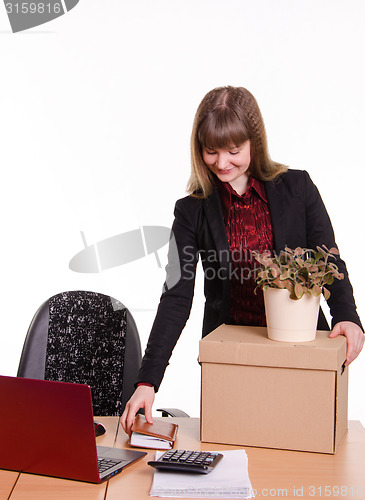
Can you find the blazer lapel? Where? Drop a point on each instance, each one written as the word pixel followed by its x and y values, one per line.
pixel 214 217
pixel 214 214
pixel 277 212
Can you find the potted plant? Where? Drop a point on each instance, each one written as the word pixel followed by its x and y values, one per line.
pixel 292 283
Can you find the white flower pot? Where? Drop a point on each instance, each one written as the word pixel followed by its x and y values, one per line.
pixel 290 320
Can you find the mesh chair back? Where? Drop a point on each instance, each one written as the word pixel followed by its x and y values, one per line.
pixel 87 339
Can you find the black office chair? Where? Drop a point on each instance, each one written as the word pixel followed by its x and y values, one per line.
pixel 87 338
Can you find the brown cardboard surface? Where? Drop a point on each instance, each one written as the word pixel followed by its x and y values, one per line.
pixel 249 345
pixel 341 417
pixel 256 392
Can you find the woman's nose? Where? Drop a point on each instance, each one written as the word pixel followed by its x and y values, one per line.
pixel 222 161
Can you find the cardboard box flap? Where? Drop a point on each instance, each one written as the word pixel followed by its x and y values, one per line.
pixel 246 345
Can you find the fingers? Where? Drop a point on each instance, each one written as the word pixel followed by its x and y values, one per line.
pixel 355 344
pixel 354 336
pixel 127 418
pixel 148 413
pixel 124 417
pixel 143 397
pixel 336 330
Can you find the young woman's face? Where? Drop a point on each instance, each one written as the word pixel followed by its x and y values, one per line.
pixel 230 165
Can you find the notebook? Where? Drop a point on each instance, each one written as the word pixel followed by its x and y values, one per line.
pixel 48 428
pixel 159 435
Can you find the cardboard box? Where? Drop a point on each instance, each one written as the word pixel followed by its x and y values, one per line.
pixel 258 392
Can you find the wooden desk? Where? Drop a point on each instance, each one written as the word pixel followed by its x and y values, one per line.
pixel 7 481
pixel 273 473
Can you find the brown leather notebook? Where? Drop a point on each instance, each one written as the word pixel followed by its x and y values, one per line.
pixel 159 435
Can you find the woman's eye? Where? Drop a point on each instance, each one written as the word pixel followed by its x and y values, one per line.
pixel 210 152
pixel 234 152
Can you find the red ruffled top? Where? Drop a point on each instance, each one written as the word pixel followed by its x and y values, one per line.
pixel 248 225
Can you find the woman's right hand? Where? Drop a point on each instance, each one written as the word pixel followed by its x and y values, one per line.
pixel 143 397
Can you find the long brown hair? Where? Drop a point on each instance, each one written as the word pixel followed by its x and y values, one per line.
pixel 226 117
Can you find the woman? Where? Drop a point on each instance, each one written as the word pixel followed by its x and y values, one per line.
pixel 239 201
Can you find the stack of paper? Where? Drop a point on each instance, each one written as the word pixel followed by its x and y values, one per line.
pixel 229 479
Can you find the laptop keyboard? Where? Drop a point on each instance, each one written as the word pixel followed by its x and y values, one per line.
pixel 107 463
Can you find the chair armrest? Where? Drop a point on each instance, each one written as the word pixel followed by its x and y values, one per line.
pixel 172 412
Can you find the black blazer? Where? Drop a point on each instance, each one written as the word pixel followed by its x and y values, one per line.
pixel 298 217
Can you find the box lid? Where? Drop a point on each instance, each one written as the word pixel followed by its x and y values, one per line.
pixel 249 345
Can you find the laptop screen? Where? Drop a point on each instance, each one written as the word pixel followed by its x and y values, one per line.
pixel 48 428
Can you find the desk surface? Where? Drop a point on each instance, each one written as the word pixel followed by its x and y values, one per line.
pixel 273 473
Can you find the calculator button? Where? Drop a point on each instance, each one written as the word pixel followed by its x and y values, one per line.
pixel 187 461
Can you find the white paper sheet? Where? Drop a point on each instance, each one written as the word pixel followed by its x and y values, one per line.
pixel 229 479
pixel 142 440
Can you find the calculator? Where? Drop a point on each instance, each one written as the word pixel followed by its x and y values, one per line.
pixel 187 461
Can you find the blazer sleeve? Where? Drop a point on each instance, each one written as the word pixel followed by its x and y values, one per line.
pixel 176 300
pixel 319 231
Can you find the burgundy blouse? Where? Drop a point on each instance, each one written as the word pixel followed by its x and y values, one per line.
pixel 248 226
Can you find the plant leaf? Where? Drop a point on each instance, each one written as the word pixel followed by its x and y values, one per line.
pixel 279 283
pixel 316 291
pixel 298 290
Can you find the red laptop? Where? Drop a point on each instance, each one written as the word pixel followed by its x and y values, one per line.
pixel 48 428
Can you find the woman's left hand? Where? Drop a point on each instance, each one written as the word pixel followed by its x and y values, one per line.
pixel 355 338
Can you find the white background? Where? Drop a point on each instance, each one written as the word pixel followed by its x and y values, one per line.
pixel 95 120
